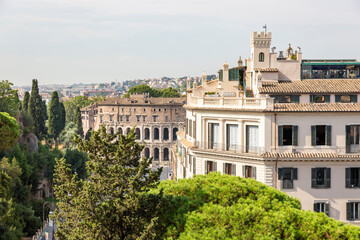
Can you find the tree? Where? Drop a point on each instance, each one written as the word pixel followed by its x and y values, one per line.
pixel 36 110
pixel 78 101
pixel 78 122
pixel 66 137
pixel 170 93
pixel 140 89
pixel 44 108
pixel 77 161
pixel 112 203
pixel 55 121
pixel 9 131
pixel 62 115
pixel 9 100
pixel 26 101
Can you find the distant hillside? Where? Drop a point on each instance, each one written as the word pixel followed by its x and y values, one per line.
pixel 225 207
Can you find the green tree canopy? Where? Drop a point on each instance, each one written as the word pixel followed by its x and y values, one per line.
pixel 36 110
pixel 112 203
pixel 62 115
pixel 9 100
pixel 153 92
pixel 26 101
pixel 78 101
pixel 9 131
pixel 78 122
pixel 55 121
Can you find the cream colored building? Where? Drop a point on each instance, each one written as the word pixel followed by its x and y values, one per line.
pixel 156 121
pixel 265 121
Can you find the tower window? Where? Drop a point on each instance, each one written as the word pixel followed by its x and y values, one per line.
pixel 261 57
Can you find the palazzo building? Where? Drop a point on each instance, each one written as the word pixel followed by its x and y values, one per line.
pixel 290 123
pixel 156 121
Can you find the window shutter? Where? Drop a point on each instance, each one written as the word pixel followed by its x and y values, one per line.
pixel 233 168
pixel 295 135
pixel 348 177
pixel 337 98
pixel 254 172
pixel 316 207
pixel 347 131
pixel 215 166
pixel 243 171
pixel 313 178
pixel 280 174
pixel 348 211
pixel 294 98
pixel 313 135
pixel 353 98
pixel 294 174
pixel 327 98
pixel 328 178
pixel 194 129
pixel 224 167
pixel 311 98
pixel 276 99
pixel 206 167
pixel 328 135
pixel 280 135
pixel 210 133
pixel 327 209
pixel 186 126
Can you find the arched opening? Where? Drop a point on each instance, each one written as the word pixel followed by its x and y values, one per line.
pixel 120 130
pixel 166 154
pixel 166 134
pixel 137 132
pixel 147 134
pixel 147 153
pixel 156 134
pixel 111 130
pixel 261 57
pixel 156 154
pixel 127 131
pixel 174 133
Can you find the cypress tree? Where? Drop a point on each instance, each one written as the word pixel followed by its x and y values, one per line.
pixel 54 124
pixel 36 110
pixel 78 121
pixel 46 117
pixel 26 101
pixel 62 116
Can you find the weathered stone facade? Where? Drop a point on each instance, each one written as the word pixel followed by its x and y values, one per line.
pixel 156 121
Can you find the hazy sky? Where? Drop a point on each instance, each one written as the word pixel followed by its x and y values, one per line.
pixel 91 41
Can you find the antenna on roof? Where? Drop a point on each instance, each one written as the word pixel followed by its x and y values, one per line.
pixel 265 28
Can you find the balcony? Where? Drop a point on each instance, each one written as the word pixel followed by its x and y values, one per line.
pixel 215 101
pixel 228 148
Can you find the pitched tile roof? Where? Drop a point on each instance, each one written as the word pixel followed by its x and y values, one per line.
pixel 142 101
pixel 317 107
pixel 266 69
pixel 310 155
pixel 313 86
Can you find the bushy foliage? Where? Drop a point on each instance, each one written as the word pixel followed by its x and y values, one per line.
pixel 9 100
pixel 78 101
pixel 66 137
pixel 153 92
pixel 9 131
pixel 225 207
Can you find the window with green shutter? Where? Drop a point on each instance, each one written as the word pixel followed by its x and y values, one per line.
pixel 319 98
pixel 346 98
pixel 288 135
pixel 321 177
pixel 321 135
pixel 322 206
pixel 287 175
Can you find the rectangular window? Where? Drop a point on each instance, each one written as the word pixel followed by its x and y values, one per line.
pixel 352 138
pixel 138 118
pixel 190 128
pixel 213 135
pixel 154 118
pixel 321 135
pixel 321 177
pixel 319 98
pixel 286 98
pixel 144 118
pixel 194 165
pixel 210 166
pixel 232 135
pixel 346 98
pixel 352 177
pixel 127 118
pixel 249 171
pixel 166 118
pixel 101 118
pixel 121 118
pixel 111 118
pixel 322 206
pixel 353 211
pixel 287 175
pixel 288 135
pixel 252 139
pixel 229 169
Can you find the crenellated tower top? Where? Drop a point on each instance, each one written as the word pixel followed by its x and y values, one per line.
pixel 261 39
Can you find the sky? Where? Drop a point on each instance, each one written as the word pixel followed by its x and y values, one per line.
pixel 93 41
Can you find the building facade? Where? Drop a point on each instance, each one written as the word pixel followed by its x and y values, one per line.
pixel 156 121
pixel 263 120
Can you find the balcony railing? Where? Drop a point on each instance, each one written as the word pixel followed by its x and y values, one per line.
pixel 231 102
pixel 232 148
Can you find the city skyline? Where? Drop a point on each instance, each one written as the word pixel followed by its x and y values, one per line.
pixel 67 42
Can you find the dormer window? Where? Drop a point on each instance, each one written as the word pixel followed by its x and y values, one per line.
pixel 261 57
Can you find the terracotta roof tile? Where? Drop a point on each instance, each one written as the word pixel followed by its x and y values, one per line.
pixel 313 86
pixel 310 155
pixel 266 69
pixel 317 107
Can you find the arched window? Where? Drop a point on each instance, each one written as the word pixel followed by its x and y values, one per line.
pixel 261 57
pixel 147 134
pixel 156 134
pixel 174 133
pixel 156 154
pixel 166 154
pixel 127 131
pixel 166 134
pixel 137 132
pixel 112 131
pixel 120 130
pixel 147 153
